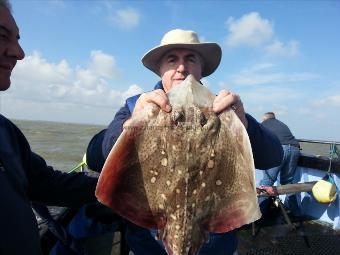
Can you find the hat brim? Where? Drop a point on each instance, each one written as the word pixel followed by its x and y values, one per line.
pixel 210 52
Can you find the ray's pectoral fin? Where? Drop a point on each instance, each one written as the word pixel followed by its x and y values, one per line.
pixel 120 185
pixel 226 220
pixel 235 200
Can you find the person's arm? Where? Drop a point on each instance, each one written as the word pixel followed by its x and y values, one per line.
pixel 52 187
pixel 266 147
pixel 100 145
pixel 94 155
pixel 115 129
pixel 33 179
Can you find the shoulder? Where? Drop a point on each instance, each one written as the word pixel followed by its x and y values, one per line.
pixel 131 102
pixel 4 121
pixel 270 122
pixel 12 139
pixel 252 122
pixel 8 126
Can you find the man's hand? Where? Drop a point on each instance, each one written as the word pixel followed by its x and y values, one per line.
pixel 156 97
pixel 227 99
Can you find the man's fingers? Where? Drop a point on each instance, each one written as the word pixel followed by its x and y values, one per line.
pixel 157 97
pixel 162 100
pixel 224 100
pixel 227 99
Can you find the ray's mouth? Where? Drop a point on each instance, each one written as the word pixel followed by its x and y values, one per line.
pixel 179 116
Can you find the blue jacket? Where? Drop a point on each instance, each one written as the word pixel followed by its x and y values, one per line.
pixel 267 152
pixel 25 177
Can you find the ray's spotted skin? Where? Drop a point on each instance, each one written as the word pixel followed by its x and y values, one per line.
pixel 187 173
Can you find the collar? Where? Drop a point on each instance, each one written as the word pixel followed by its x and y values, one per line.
pixel 159 85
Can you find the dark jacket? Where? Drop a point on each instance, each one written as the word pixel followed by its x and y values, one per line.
pixel 282 131
pixel 25 177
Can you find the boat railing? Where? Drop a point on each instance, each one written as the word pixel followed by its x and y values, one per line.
pixel 80 167
pixel 318 141
pixel 320 154
pixel 333 146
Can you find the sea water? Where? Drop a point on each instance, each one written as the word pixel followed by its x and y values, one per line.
pixel 62 145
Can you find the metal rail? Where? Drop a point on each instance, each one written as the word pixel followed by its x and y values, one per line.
pixel 334 151
pixel 318 141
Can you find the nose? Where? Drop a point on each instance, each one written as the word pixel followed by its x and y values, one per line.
pixel 15 51
pixel 182 68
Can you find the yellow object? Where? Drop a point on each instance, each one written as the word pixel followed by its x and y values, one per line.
pixel 324 191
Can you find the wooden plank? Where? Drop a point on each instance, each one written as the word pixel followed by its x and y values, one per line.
pixel 285 189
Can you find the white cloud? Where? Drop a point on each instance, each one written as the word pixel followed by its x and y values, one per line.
pixel 289 49
pixel 304 115
pixel 125 18
pixel 57 87
pixel 270 78
pixel 254 31
pixel 37 69
pixel 264 73
pixel 250 30
pixel 329 101
pixel 273 95
pixel 262 66
pixel 103 64
pixel 132 90
pixel 334 100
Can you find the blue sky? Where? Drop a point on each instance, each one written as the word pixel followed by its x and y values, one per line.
pixel 83 57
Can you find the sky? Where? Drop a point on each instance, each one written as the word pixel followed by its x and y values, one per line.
pixel 83 58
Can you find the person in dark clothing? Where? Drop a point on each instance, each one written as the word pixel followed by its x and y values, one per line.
pixel 291 153
pixel 24 175
pixel 180 54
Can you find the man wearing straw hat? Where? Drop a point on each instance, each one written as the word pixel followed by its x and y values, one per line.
pixel 24 175
pixel 179 54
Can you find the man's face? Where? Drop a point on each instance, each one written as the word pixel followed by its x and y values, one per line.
pixel 10 50
pixel 177 64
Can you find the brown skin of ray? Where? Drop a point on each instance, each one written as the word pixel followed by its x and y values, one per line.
pixel 114 189
pixel 200 141
pixel 189 233
pixel 168 171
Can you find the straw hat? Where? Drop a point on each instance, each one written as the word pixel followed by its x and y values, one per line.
pixel 211 53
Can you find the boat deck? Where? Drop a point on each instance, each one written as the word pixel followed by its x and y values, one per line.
pixel 273 236
pixel 270 236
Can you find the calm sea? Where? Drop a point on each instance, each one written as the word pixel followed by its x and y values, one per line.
pixel 63 144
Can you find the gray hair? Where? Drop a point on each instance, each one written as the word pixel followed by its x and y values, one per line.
pixel 268 115
pixel 6 4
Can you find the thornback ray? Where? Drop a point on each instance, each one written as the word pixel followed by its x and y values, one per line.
pixel 185 173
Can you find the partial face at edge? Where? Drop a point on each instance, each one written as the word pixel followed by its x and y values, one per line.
pixel 177 64
pixel 10 49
